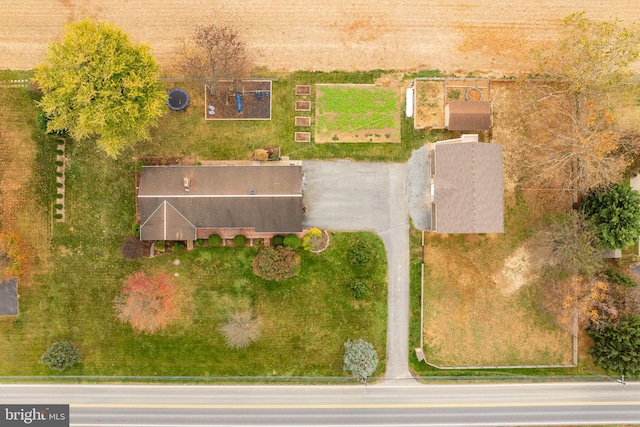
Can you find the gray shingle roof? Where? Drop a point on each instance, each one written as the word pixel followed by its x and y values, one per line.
pixel 9 297
pixel 267 198
pixel 468 188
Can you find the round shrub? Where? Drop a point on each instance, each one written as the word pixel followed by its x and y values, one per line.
pixel 59 163
pixel 277 240
pixel 140 164
pixel 59 152
pixel 59 185
pixel 199 243
pixel 160 246
pixel 57 216
pixel 135 230
pixel 59 174
pixel 61 355
pixel 59 196
pixel 360 288
pixel 276 263
pixel 214 240
pixel 313 240
pixel 58 206
pixel 239 240
pixel 360 253
pixel 292 241
pixel 177 247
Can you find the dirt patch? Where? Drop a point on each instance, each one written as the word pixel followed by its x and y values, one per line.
pixel 329 35
pixel 238 100
pixel 430 101
pixel 433 95
pixel 516 272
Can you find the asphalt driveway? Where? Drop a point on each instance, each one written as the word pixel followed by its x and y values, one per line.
pixel 355 196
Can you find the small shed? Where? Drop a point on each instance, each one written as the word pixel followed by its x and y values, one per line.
pixel 467 115
pixel 9 297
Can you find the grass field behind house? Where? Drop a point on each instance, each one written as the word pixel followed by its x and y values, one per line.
pixel 357 113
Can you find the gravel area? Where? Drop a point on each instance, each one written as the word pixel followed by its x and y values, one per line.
pixel 419 172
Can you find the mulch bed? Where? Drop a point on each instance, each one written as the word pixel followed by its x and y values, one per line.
pixel 303 90
pixel 303 121
pixel 255 98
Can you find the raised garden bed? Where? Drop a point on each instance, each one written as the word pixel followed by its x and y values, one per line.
pixel 303 121
pixel 303 105
pixel 303 90
pixel 303 136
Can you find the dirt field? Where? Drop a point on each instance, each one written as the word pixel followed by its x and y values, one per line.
pixel 331 34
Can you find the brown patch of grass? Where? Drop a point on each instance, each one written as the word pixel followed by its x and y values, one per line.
pixel 479 303
pixel 19 211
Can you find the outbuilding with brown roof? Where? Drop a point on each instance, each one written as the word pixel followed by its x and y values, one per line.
pixel 467 115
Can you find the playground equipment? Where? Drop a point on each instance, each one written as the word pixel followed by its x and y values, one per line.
pixel 239 101
pixel 178 99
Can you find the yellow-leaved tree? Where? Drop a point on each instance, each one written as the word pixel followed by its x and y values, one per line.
pixel 97 84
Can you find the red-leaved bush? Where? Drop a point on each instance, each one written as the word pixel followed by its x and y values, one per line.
pixel 148 303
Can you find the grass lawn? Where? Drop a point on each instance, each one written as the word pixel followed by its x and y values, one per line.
pixel 186 133
pixel 77 269
pixel 357 113
pixel 480 302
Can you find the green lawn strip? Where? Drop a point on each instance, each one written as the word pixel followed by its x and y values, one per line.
pixel 186 133
pixel 307 318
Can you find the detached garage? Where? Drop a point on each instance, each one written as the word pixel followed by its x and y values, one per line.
pixel 467 115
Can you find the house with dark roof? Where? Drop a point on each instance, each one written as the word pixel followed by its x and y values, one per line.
pixel 191 202
pixel 466 186
pixel 9 297
pixel 467 115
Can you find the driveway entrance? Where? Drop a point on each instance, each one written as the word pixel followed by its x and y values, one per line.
pixel 356 196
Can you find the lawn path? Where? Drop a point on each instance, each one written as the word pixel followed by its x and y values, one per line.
pixel 350 196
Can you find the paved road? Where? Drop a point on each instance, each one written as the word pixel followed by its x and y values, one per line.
pixel 432 405
pixel 350 196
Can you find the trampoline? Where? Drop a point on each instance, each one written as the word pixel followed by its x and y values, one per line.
pixel 178 99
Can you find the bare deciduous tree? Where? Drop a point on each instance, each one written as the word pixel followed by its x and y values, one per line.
pixel 571 243
pixel 564 119
pixel 215 52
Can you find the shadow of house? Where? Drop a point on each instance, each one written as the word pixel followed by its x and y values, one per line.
pixel 466 186
pixel 9 297
pixel 185 203
pixel 467 115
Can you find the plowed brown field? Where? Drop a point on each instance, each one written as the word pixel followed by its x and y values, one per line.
pixel 470 35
